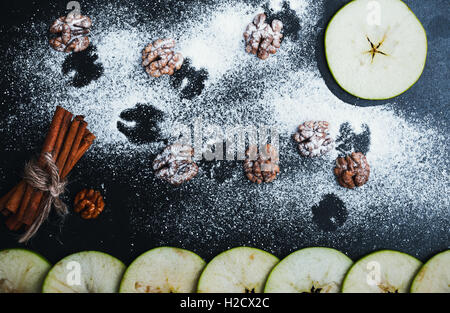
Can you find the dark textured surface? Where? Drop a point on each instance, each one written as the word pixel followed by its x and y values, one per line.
pixel 429 98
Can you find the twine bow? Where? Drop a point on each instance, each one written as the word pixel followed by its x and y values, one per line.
pixel 47 180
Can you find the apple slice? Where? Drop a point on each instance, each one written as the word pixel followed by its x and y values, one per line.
pixel 310 270
pixel 85 272
pixel 238 270
pixel 163 270
pixel 375 49
pixel 22 271
pixel 434 276
pixel 384 271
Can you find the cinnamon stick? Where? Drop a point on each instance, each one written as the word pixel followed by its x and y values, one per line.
pixel 62 158
pixel 62 134
pixel 87 141
pixel 75 147
pixel 73 139
pixel 33 207
pixel 16 218
pixel 4 200
pixel 67 140
pixel 66 121
pixel 53 135
pixel 14 222
pixel 16 197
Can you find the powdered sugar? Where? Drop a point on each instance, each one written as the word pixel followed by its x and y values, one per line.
pixel 285 90
pixel 299 6
pixel 216 42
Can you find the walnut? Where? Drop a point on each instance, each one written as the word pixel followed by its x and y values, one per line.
pixel 314 138
pixel 89 203
pixel 352 170
pixel 263 166
pixel 175 165
pixel 72 30
pixel 159 58
pixel 261 38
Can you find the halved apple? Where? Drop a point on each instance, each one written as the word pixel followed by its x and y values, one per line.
pixel 22 271
pixel 238 270
pixel 375 49
pixel 434 276
pixel 163 270
pixel 384 271
pixel 310 270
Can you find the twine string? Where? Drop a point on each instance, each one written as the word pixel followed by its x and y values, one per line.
pixel 47 180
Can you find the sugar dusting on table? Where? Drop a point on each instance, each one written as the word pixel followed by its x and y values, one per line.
pixel 284 90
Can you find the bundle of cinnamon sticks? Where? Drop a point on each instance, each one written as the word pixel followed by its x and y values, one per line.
pixel 67 140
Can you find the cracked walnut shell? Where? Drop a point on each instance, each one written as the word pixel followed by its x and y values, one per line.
pixel 353 170
pixel 175 165
pixel 72 30
pixel 89 203
pixel 261 167
pixel 159 58
pixel 314 138
pixel 261 38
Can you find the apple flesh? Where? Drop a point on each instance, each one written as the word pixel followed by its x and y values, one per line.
pixel 434 276
pixel 310 270
pixel 85 272
pixel 163 270
pixel 384 271
pixel 22 271
pixel 375 49
pixel 238 270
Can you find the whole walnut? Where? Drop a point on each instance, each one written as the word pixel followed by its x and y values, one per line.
pixel 261 38
pixel 175 165
pixel 89 203
pixel 263 166
pixel 353 170
pixel 72 30
pixel 159 58
pixel 314 138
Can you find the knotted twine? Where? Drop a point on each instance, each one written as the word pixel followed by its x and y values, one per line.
pixel 46 179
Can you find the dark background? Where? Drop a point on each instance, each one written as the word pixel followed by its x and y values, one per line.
pixel 429 98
